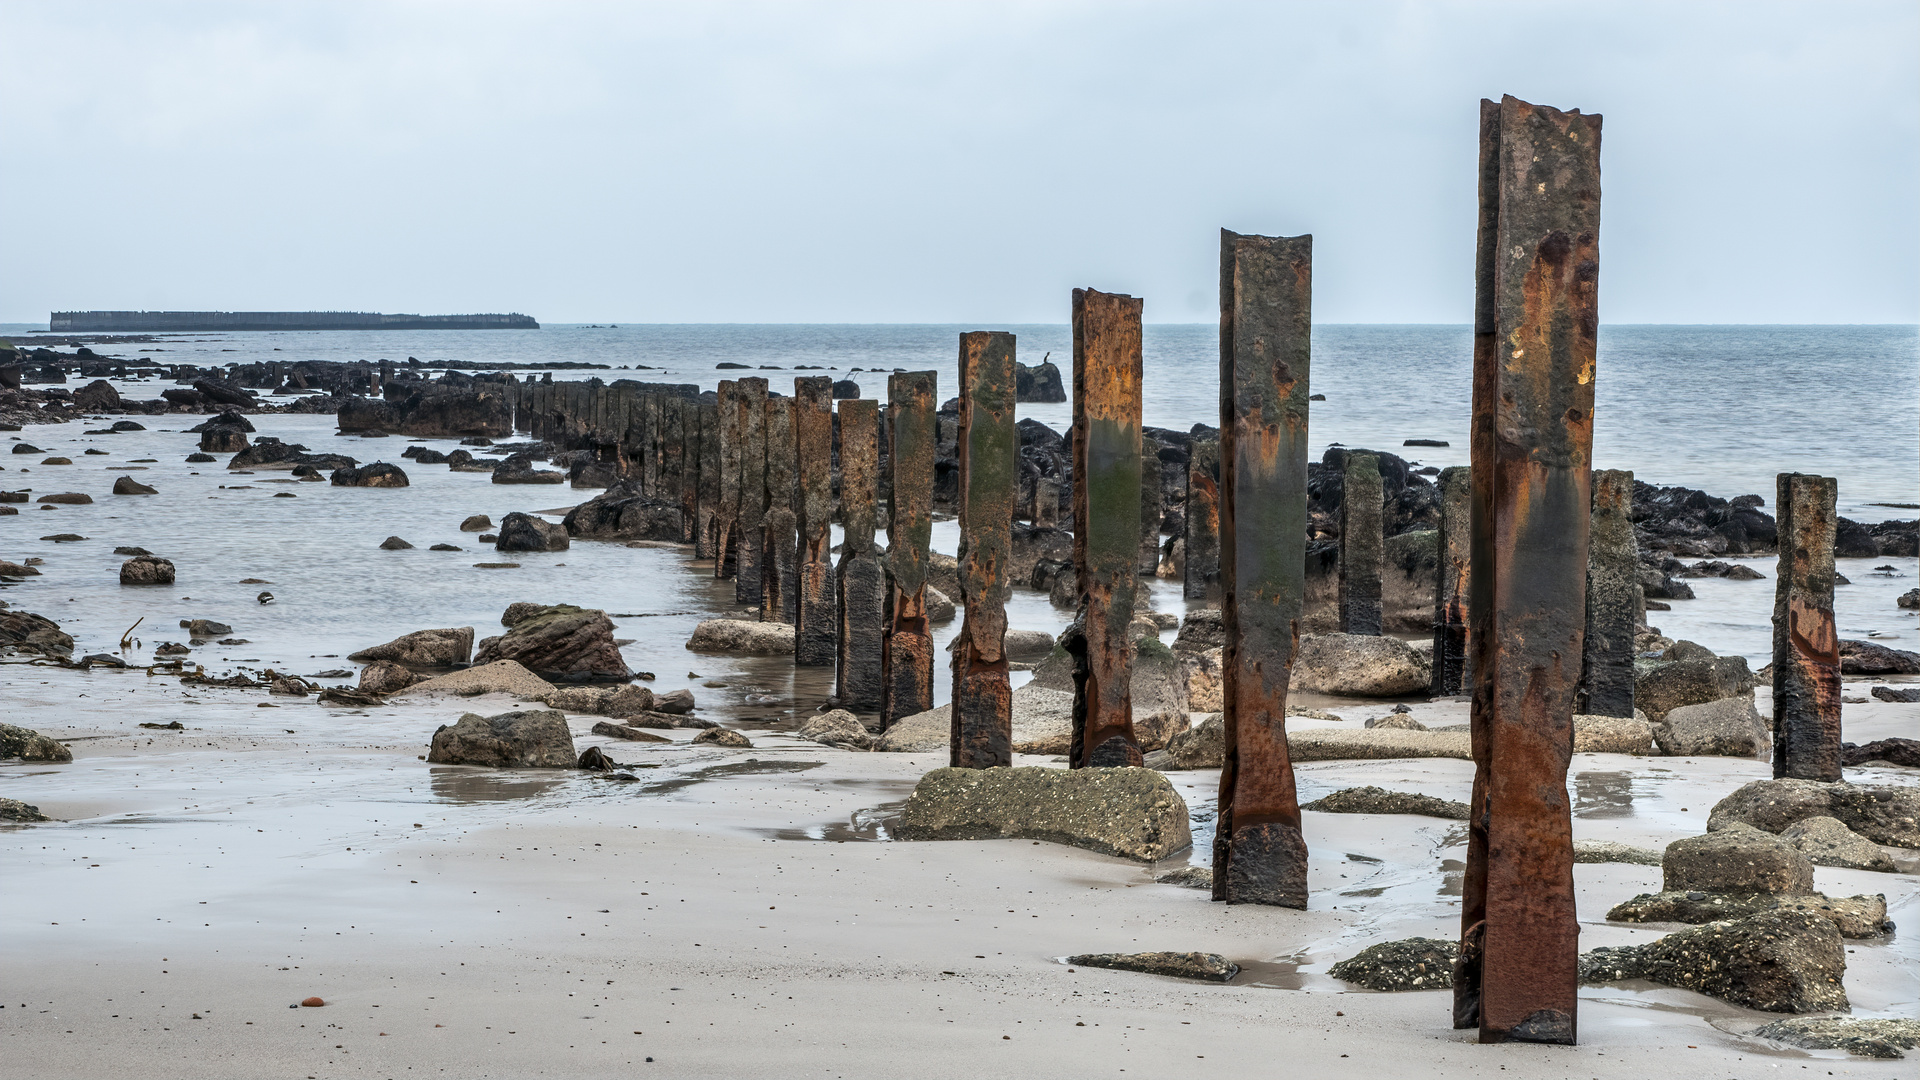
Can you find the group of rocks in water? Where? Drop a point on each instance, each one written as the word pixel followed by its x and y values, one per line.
pixel 1768 941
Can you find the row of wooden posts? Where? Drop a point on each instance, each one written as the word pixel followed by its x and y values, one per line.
pixel 1536 605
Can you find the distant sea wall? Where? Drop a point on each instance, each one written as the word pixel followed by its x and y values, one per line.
pixel 126 321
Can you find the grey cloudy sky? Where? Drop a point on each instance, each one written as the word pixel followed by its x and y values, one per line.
pixel 899 162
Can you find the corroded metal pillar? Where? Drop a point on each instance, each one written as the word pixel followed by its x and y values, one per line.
pixel 912 431
pixel 726 517
pixel 1152 508
pixel 1106 525
pixel 815 626
pixel 780 555
pixel 1202 580
pixel 751 547
pixel 1613 584
pixel 1361 544
pixel 1450 586
pixel 989 454
pixel 860 579
pixel 1806 647
pixel 1266 319
pixel 708 504
pixel 1536 315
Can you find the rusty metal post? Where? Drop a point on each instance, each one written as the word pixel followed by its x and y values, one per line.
pixel 726 516
pixel 860 579
pixel 708 492
pixel 648 407
pixel 912 431
pixel 689 458
pixel 1361 541
pixel 1202 579
pixel 1266 321
pixel 1152 509
pixel 780 568
pixel 989 449
pixel 1450 586
pixel 1536 316
pixel 1613 592
pixel 1106 525
pixel 815 626
pixel 748 586
pixel 1806 647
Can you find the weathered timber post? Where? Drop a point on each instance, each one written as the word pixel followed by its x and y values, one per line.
pixel 989 456
pixel 1806 647
pixel 726 523
pixel 815 627
pixel 1361 541
pixel 1450 586
pixel 1106 525
pixel 1202 579
pixel 912 432
pixel 780 566
pixel 673 451
pixel 1613 584
pixel 1536 315
pixel 748 585
pixel 688 458
pixel 1152 509
pixel 1266 321
pixel 647 408
pixel 860 579
pixel 708 493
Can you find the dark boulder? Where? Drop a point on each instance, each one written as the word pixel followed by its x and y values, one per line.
pixel 378 474
pixel 23 631
pixel 97 396
pixel 524 532
pixel 531 739
pixel 1777 961
pixel 560 641
pixel 1039 384
pixel 622 513
pixel 146 570
pixel 268 452
pixel 1868 658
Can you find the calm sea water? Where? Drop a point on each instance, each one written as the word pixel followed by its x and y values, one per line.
pixel 1722 408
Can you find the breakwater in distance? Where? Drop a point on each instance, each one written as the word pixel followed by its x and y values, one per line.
pixel 126 321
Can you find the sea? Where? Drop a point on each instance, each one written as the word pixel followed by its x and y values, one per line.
pixel 1720 408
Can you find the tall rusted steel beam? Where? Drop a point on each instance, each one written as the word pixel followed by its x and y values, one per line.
pixel 1106 525
pixel 989 448
pixel 1450 585
pixel 1361 544
pixel 860 579
pixel 1536 316
pixel 1613 588
pixel 1806 647
pixel 751 549
pixel 726 522
pixel 1202 542
pixel 1266 321
pixel 815 625
pixel 708 505
pixel 780 573
pixel 1152 509
pixel 912 433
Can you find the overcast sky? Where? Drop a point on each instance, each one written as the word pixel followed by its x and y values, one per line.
pixel 913 162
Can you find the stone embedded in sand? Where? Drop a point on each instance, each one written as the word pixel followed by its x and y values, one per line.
pixel 1611 735
pixel 385 677
pixel 1694 681
pixel 727 737
pixel 146 570
pixel 1884 815
pixel 1862 916
pixel 29 745
pixel 1375 800
pixel 1158 682
pixel 1340 744
pixel 1202 630
pixel 677 703
pixel 1211 967
pixel 127 485
pixel 579 699
pixel 628 702
pixel 743 636
pixel 1397 722
pixel 1737 859
pixel 1828 842
pixel 533 739
pixel 1777 961
pixel 560 640
pixel 1728 727
pixel 1201 746
pixel 1359 665
pixel 313 1003
pixel 1870 1038
pixel 1894 751
pixel 1128 812
pixel 499 677
pixel 837 727
pixel 1206 681
pixel 1412 964
pixel 621 731
pixel 15 810
pixel 449 647
pixel 1188 877
pixel 1606 851
pixel 1028 645
pixel 663 720
pixel 1042 724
